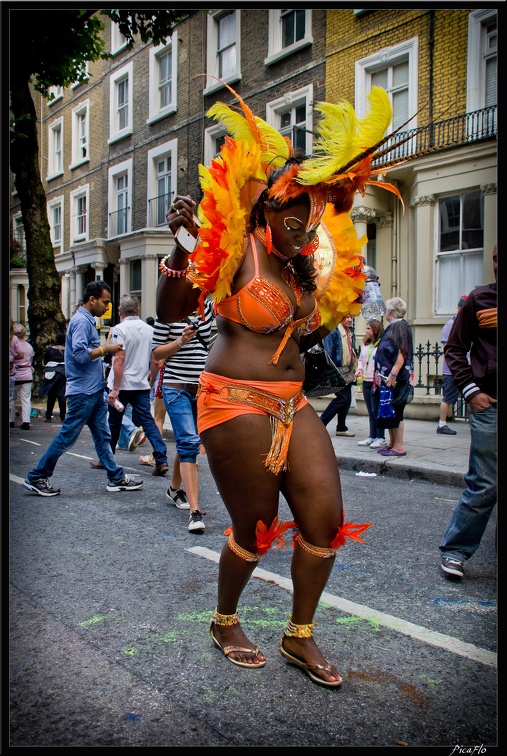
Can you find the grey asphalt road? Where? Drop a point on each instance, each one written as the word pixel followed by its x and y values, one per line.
pixel 111 599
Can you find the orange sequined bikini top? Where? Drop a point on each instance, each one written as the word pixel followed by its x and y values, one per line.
pixel 264 307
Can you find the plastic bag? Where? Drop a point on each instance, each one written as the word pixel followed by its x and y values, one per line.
pixel 385 407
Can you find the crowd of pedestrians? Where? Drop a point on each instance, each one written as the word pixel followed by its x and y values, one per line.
pixel 153 369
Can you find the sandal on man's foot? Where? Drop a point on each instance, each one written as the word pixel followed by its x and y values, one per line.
pixel 226 650
pixel 148 459
pixel 309 669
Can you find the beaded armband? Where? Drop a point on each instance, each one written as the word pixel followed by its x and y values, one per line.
pixel 170 271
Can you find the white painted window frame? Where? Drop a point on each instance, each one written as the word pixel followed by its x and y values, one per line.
pixel 155 112
pixel 126 167
pixel 275 50
pixel 57 90
pixel 52 205
pixel 125 72
pixel 53 128
pixel 161 151
pixel 212 47
pixel 388 56
pixel 118 41
pixel 210 135
pixel 18 229
pixel 86 67
pixel 276 108
pixel 475 58
pixel 77 112
pixel 81 191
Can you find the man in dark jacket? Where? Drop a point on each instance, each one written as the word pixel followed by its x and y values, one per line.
pixel 474 332
pixel 339 345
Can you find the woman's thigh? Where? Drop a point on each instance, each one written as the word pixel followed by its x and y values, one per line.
pixel 236 451
pixel 312 484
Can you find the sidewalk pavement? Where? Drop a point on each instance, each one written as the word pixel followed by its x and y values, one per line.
pixel 430 456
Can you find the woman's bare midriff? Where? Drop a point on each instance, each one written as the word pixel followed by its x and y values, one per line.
pixel 245 355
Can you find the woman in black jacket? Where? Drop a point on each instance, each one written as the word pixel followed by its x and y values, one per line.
pixel 54 382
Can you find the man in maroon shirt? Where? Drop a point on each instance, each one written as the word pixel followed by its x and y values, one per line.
pixel 474 332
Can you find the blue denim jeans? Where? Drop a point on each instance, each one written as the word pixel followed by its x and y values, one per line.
pixel 372 414
pixel 127 428
pixel 82 409
pixel 182 410
pixel 140 401
pixel 471 515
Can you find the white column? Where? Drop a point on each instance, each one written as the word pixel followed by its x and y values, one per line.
pixel 14 301
pixel 79 271
pixel 420 299
pixel 148 285
pixel 124 271
pixel 490 229
pixel 360 217
pixel 72 291
pixel 99 268
pixel 383 259
pixel 65 295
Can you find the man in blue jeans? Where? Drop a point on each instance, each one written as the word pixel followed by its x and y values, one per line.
pixel 85 397
pixel 128 380
pixel 474 331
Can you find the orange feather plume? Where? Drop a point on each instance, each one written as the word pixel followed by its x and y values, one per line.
pixel 266 536
pixel 350 530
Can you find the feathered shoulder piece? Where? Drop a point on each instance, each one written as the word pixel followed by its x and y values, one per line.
pixel 338 261
pixel 223 213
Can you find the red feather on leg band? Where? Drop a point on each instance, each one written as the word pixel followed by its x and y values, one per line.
pixel 348 530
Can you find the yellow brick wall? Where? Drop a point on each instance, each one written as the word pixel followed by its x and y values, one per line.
pixel 350 38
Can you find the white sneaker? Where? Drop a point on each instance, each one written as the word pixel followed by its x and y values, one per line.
pixel 378 443
pixel 366 442
pixel 178 497
pixel 195 523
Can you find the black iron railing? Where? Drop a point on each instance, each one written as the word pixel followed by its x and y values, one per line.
pixel 157 209
pixel 427 374
pixel 441 135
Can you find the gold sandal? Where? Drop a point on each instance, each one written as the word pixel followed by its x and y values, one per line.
pixel 305 631
pixel 228 620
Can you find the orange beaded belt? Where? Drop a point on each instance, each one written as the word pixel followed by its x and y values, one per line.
pixel 281 410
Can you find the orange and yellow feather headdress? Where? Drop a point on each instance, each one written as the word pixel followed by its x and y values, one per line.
pixel 340 167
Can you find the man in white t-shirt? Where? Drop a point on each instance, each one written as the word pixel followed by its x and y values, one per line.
pixel 128 380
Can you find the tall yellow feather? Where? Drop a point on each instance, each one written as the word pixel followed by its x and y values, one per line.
pixel 341 136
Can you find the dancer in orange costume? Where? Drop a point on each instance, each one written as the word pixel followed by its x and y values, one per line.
pixel 278 253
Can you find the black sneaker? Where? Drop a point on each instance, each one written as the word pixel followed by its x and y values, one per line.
pixel 129 483
pixel 195 523
pixel 178 497
pixel 444 430
pixel 42 487
pixel 452 567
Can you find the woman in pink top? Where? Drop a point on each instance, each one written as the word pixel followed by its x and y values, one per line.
pixel 365 370
pixel 23 378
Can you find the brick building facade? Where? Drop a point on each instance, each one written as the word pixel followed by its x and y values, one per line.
pixel 144 131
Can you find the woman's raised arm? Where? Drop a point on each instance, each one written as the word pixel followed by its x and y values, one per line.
pixel 177 297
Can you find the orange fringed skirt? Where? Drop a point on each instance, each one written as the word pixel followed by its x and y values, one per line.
pixel 220 399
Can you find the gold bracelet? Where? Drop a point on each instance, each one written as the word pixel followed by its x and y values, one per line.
pixel 102 351
pixel 170 271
